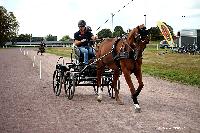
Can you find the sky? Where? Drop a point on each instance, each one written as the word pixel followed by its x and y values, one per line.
pixel 60 17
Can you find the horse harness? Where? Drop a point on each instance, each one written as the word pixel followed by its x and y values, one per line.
pixel 124 52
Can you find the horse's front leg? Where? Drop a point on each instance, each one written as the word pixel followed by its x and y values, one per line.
pixel 138 75
pixel 127 75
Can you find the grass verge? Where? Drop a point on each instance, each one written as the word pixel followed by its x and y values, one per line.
pixel 183 68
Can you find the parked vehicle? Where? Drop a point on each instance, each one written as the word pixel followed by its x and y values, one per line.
pixel 164 44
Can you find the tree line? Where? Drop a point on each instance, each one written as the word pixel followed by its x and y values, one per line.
pixel 30 38
pixel 8 26
pixel 9 31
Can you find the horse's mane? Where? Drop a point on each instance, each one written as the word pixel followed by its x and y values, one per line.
pixel 131 36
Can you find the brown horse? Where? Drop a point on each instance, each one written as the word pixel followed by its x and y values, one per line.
pixel 124 54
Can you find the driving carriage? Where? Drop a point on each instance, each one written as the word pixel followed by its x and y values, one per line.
pixel 75 73
pixel 113 57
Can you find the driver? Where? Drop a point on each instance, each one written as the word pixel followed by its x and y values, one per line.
pixel 82 39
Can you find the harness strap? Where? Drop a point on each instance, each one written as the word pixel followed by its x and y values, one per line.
pixel 123 54
pixel 115 56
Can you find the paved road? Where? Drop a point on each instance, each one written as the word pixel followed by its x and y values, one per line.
pixel 27 104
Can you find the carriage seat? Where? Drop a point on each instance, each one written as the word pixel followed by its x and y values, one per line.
pixel 79 55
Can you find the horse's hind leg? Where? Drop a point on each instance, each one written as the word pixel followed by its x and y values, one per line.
pixel 99 90
pixel 114 85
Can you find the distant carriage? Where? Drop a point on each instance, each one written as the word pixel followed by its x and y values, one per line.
pixel 41 48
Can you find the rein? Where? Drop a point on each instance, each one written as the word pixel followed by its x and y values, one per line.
pixel 113 50
pixel 98 59
pixel 121 55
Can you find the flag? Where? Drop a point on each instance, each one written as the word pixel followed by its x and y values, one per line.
pixel 166 33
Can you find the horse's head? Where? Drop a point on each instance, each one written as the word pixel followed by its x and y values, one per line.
pixel 143 35
pixel 139 37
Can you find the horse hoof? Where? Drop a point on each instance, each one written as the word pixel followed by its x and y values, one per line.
pixel 99 98
pixel 137 108
pixel 120 102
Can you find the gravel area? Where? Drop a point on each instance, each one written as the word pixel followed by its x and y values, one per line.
pixel 28 104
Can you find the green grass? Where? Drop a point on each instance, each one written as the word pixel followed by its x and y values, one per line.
pixel 65 52
pixel 182 68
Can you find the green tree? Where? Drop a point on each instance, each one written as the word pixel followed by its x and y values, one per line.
pixel 51 38
pixel 8 26
pixel 65 38
pixel 23 38
pixel 118 31
pixel 104 33
pixel 155 34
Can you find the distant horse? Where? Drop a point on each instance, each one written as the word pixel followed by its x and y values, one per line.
pixel 41 48
pixel 123 54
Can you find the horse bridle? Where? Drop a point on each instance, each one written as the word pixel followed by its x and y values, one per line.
pixel 143 33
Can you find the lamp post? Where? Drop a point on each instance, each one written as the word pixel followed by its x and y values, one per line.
pixel 179 40
pixel 145 20
pixel 112 21
pixel 183 21
pixel 30 38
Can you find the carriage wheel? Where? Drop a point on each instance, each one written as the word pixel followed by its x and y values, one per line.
pixel 69 85
pixel 57 82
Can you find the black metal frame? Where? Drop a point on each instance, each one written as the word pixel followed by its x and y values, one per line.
pixel 75 73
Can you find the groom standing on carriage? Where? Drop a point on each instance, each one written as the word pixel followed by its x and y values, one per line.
pixel 82 39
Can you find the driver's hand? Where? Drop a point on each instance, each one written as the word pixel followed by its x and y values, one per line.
pixel 83 40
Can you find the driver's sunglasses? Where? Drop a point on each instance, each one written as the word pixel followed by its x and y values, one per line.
pixel 81 26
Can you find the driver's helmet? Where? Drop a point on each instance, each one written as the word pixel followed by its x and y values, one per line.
pixel 81 23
